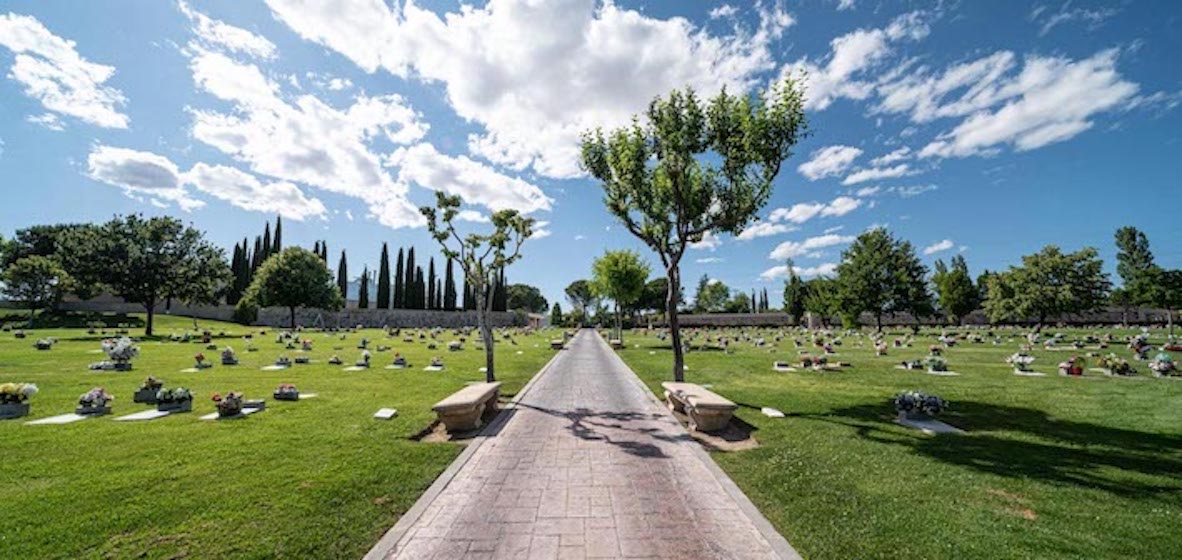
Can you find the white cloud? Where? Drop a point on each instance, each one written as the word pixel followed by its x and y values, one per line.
pixel 52 72
pixel 876 173
pixel 218 34
pixel 850 56
pixel 829 161
pixel 764 229
pixel 938 247
pixel 473 181
pixel 833 229
pixel 709 260
pixel 841 206
pixel 140 173
pixel 799 213
pixel 802 212
pixel 472 216
pixel 867 191
pixel 723 11
pixel 781 271
pixel 47 120
pixel 843 5
pixel 892 157
pixel 913 190
pixel 245 191
pixel 709 242
pixel 1052 99
pixel 587 64
pixel 1091 17
pixel 541 230
pixel 793 249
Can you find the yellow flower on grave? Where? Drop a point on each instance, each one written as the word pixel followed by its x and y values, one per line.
pixel 8 389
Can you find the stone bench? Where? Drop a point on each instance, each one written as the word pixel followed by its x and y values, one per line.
pixel 465 409
pixel 707 411
pixel 557 344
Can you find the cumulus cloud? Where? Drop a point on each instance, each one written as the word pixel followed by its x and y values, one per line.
pixel 841 206
pixel 764 229
pixel 140 173
pixel 850 56
pixel 802 212
pixel 587 64
pixel 475 182
pixel 709 242
pixel 472 216
pixel 876 173
pixel 52 72
pixel 829 161
pixel 793 249
pixel 216 33
pixel 938 246
pixel 892 157
pixel 541 230
pixel 912 190
pixel 246 191
pixel 781 271
pixel 1092 18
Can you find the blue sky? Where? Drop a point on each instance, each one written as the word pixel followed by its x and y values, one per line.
pixel 988 128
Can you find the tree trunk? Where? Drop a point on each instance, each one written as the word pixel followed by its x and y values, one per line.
pixel 151 306
pixel 1170 321
pixel 482 310
pixel 878 321
pixel 674 328
pixel 291 311
pixel 619 325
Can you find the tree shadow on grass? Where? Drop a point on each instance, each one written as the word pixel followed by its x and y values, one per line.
pixel 1025 443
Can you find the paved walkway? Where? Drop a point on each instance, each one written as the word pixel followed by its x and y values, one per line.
pixel 588 466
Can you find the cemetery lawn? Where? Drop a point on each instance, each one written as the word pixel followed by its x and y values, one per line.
pixel 318 478
pixel 1051 467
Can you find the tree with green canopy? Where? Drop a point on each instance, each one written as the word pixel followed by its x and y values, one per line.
pixel 879 274
pixel 145 261
pixel 655 291
pixel 712 295
pixel 556 315
pixel 794 294
pixel 343 276
pixel 955 290
pixel 526 297
pixel 36 281
pixel 449 288
pixel 363 289
pixel 581 296
pixel 293 278
pixel 399 280
pixel 619 276
pixel 481 257
pixel 694 168
pixel 1049 283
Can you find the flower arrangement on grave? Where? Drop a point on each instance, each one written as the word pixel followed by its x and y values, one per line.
pixel 229 358
pixel 228 405
pixel 935 363
pixel 306 345
pixel 14 399
pixel 286 392
pixel 283 361
pixel 94 401
pixel 828 348
pixel 934 350
pixel 1021 361
pixel 363 344
pixel 880 348
pixel 147 391
pixel 400 360
pixel 303 360
pixel 20 333
pixel 914 404
pixel 1163 364
pixel 335 360
pixel 206 337
pixel 120 350
pixel 44 343
pixel 177 399
pixel 455 346
pixel 364 361
pixel 1172 347
pixel 199 358
pixel 1114 364
pixel 437 362
pixel 1074 366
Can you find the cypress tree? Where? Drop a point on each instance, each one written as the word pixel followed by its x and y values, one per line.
pixel 243 277
pixel 363 294
pixel 399 288
pixel 316 248
pixel 449 289
pixel 419 285
pixel 266 243
pixel 438 303
pixel 343 277
pixel 235 265
pixel 256 257
pixel 384 279
pixel 431 293
pixel 277 244
pixel 408 299
pixel 467 296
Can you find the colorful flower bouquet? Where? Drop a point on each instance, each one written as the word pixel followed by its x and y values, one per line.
pixel 813 361
pixel 306 345
pixel 1115 365
pixel 94 401
pixel 228 405
pixel 1163 365
pixel 120 352
pixel 287 392
pixel 1074 366
pixel 400 361
pixel 147 391
pixel 14 399
pixel 229 358
pixel 178 399
pixel 201 363
pixel 1021 361
pixel 916 405
pixel 880 348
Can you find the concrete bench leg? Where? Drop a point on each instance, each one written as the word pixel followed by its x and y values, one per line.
pixel 463 420
pixel 709 420
pixel 673 403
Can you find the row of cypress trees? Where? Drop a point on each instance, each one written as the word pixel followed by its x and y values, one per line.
pixel 410 288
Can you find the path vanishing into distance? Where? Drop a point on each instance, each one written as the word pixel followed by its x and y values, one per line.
pixel 586 465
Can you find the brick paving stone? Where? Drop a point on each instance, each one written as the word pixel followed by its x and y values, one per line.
pixel 587 467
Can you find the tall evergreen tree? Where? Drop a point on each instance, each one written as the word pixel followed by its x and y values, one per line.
pixel 468 305
pixel 408 299
pixel 363 293
pixel 266 242
pixel 794 295
pixel 343 277
pixel 384 279
pixel 431 294
pixel 257 256
pixel 419 286
pixel 277 243
pixel 399 288
pixel 449 289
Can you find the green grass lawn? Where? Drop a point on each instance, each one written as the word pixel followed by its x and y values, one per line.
pixel 313 479
pixel 1051 467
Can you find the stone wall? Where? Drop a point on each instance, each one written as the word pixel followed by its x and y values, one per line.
pixel 1142 316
